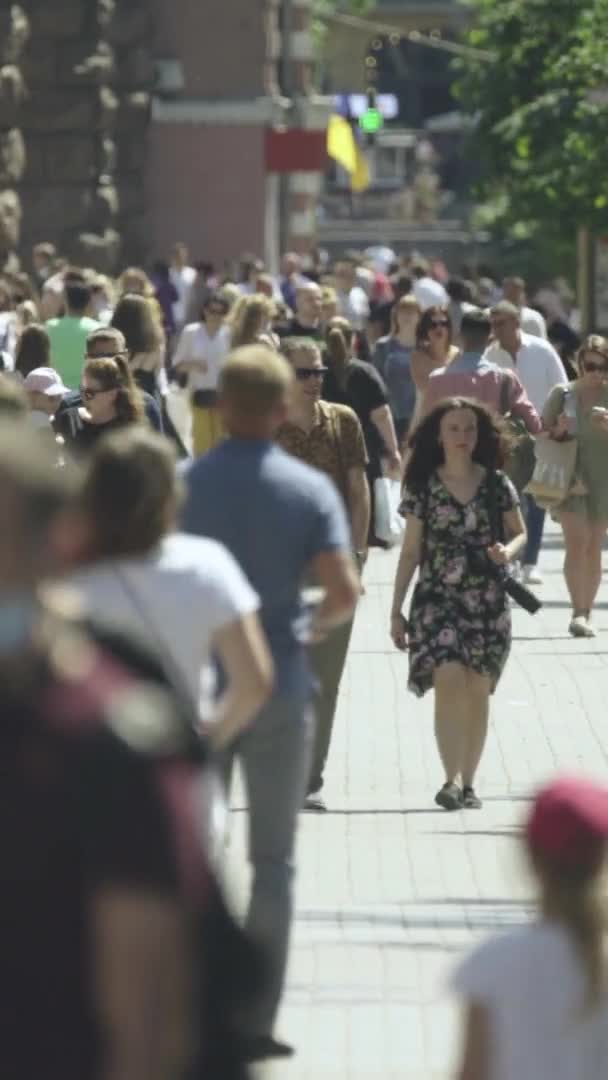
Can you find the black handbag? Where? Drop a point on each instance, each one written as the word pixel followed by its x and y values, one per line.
pixel 518 592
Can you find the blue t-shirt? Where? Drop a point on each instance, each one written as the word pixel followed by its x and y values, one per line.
pixel 393 361
pixel 275 515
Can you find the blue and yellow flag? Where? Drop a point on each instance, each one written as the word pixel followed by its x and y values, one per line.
pixel 343 148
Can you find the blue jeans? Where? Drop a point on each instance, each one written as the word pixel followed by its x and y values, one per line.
pixel 535 523
pixel 274 754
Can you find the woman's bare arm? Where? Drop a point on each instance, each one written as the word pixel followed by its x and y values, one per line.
pixel 476 1050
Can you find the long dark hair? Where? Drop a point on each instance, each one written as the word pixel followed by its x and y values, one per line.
pixel 424 325
pixel 339 338
pixel 427 453
pixel 130 490
pixel 33 350
pixel 134 317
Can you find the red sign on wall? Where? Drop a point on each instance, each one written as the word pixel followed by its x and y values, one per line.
pixel 293 150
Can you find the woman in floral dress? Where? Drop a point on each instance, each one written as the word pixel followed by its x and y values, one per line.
pixel 459 629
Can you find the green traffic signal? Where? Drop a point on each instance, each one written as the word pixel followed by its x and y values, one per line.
pixel 371 121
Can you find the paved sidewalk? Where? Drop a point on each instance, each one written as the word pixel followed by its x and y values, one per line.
pixel 391 890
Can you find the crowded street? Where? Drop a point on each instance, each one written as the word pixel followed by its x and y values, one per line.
pixel 303 535
pixel 390 893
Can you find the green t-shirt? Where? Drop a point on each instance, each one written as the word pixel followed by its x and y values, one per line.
pixel 68 340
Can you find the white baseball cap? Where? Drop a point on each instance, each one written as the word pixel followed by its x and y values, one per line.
pixel 45 380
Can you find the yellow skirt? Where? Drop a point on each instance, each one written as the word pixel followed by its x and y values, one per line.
pixel 207 429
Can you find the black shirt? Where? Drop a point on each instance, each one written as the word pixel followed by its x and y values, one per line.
pixel 364 390
pixel 293 328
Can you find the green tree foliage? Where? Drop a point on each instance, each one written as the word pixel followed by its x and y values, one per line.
pixel 322 8
pixel 543 119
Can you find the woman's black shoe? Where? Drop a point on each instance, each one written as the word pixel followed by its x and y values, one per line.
pixel 450 797
pixel 470 800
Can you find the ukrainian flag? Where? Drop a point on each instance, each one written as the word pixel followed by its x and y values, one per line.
pixel 343 148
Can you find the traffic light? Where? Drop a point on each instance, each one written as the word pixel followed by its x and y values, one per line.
pixel 371 120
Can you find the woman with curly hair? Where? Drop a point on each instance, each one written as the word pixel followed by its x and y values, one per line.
pixel 463 521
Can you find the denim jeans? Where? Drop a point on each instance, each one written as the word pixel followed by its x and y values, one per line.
pixel 535 523
pixel 274 756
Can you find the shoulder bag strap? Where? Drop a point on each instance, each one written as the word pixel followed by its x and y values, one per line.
pixel 506 394
pixel 497 530
pixel 165 650
pixel 424 547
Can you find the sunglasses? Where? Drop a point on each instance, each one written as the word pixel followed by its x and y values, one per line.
pixel 303 374
pixel 106 355
pixel 602 369
pixel 87 394
pixel 439 324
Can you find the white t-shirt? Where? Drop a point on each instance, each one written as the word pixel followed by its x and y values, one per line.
pixel 532 322
pixel 430 293
pixel 197 347
pixel 183 280
pixel 354 306
pixel 533 986
pixel 176 599
pixel 538 366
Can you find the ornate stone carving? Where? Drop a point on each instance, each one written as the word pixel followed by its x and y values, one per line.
pixel 88 70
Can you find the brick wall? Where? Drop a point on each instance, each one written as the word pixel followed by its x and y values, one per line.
pixel 206 185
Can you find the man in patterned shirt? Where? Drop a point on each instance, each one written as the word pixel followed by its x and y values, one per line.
pixel 328 437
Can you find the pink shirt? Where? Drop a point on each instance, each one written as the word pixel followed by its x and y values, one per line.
pixel 471 376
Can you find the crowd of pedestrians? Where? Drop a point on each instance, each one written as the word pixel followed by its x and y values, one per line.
pixel 190 465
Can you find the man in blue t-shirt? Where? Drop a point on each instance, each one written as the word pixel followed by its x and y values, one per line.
pixel 284 523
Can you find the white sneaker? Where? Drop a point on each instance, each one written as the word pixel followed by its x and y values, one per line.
pixel 580 627
pixel 532 576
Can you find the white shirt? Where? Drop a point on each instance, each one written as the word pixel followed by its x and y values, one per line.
pixel 175 599
pixel 430 293
pixel 532 983
pixel 183 279
pixel 354 306
pixel 538 366
pixel 532 322
pixel 196 346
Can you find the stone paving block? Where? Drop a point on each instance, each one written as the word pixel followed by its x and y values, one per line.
pixel 392 891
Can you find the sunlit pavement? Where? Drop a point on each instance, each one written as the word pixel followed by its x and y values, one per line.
pixel 391 890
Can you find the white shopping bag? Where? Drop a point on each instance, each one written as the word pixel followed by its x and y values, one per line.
pixel 388 523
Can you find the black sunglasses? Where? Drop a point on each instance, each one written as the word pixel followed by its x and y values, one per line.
pixel 438 324
pixel 592 366
pixel 88 395
pixel 305 373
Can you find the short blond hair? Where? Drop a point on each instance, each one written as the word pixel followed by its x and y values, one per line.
pixel 255 380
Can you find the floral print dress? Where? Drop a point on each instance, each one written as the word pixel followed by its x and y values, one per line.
pixel 458 614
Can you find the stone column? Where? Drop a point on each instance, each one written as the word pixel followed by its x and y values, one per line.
pixel 14 32
pixel 131 36
pixel 68 191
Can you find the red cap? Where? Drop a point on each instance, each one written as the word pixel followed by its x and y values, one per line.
pixel 569 821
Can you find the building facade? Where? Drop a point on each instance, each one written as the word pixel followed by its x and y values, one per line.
pixel 230 74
